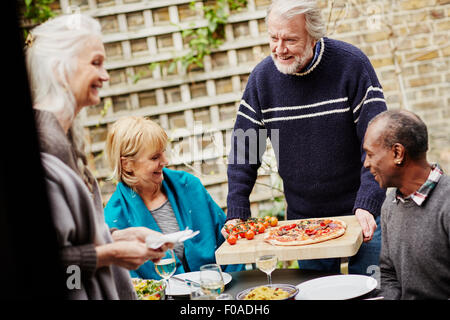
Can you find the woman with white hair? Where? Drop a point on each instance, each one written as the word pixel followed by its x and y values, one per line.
pixel 65 58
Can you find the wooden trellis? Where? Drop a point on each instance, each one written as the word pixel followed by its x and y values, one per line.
pixel 197 109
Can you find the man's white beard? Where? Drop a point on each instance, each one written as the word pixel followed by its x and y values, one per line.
pixel 294 67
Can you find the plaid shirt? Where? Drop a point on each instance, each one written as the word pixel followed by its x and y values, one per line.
pixel 421 195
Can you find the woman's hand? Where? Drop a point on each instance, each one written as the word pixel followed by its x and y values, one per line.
pixel 137 234
pixel 128 254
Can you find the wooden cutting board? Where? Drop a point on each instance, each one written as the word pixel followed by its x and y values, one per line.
pixel 246 251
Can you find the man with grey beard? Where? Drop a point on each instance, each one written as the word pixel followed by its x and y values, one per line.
pixel 316 95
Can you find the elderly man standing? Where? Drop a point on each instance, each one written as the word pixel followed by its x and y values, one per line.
pixel 313 97
pixel 415 217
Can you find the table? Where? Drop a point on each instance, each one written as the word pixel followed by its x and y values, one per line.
pixel 242 280
pixel 251 278
pixel 246 251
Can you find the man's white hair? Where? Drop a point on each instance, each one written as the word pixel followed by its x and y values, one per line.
pixel 52 59
pixel 291 8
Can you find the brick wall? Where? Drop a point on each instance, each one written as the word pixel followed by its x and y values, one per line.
pixel 406 41
pixel 408 44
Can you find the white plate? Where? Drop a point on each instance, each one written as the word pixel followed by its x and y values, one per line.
pixel 339 287
pixel 177 288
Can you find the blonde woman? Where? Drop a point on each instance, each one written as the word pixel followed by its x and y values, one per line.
pixel 65 58
pixel 150 195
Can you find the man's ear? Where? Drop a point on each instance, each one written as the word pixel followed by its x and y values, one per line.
pixel 127 164
pixel 399 152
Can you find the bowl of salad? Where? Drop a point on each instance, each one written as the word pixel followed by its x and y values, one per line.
pixel 148 289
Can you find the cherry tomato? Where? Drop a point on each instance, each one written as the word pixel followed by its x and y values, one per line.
pixel 273 221
pixel 232 239
pixel 250 234
pixel 267 218
pixel 228 228
pixel 261 228
pixel 266 224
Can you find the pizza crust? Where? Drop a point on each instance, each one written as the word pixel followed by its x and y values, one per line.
pixel 322 238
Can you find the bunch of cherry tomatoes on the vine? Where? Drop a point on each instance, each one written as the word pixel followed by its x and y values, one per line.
pixel 248 229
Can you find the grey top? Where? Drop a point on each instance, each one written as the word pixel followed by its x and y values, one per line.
pixel 167 222
pixel 77 214
pixel 415 251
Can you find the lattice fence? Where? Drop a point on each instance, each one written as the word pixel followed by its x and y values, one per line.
pixel 406 41
pixel 197 109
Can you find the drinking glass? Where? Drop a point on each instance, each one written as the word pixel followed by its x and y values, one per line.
pixel 197 293
pixel 224 296
pixel 211 280
pixel 267 263
pixel 166 266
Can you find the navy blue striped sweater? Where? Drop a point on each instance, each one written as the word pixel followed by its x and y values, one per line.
pixel 316 121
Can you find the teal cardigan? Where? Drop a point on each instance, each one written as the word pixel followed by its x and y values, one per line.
pixel 193 207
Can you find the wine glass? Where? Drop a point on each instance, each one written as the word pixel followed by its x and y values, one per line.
pixel 267 263
pixel 211 280
pixel 166 266
pixel 224 296
pixel 197 293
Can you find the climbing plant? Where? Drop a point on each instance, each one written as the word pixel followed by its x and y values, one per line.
pixel 38 11
pixel 201 41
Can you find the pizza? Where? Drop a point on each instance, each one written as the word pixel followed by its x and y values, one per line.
pixel 306 231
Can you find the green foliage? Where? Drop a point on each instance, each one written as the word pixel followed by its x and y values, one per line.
pixel 277 210
pixel 107 104
pixel 237 4
pixel 38 11
pixel 204 39
pixel 293 264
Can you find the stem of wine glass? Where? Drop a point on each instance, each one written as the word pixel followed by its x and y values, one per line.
pixel 167 285
pixel 269 278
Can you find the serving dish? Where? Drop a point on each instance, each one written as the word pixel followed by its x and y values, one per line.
pixel 290 289
pixel 148 289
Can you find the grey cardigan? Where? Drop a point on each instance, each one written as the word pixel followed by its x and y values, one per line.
pixel 77 214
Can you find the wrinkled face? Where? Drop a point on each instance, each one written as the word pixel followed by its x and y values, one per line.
pixel 290 44
pixel 379 159
pixel 89 75
pixel 147 167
